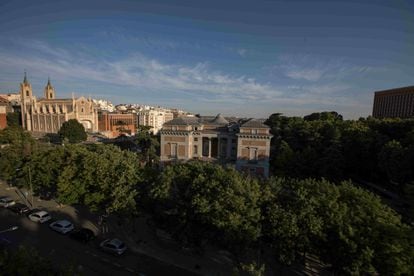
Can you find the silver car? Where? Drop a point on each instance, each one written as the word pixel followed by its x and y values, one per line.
pixel 6 202
pixel 62 226
pixel 40 216
pixel 114 246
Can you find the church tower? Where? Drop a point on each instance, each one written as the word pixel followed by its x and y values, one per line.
pixel 49 91
pixel 26 96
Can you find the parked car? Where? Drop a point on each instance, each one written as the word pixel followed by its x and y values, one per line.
pixel 83 235
pixel 62 226
pixel 19 208
pixel 114 246
pixel 40 216
pixel 6 201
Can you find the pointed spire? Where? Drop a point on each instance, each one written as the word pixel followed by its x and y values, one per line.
pixel 25 77
pixel 48 81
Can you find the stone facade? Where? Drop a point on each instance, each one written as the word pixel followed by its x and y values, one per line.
pixel 245 143
pixel 46 115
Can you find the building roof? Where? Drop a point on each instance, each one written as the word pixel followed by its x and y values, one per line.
pixel 3 101
pixel 220 120
pixel 183 121
pixel 254 123
pixel 396 90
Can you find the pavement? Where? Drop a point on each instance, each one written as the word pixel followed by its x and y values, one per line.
pixel 141 238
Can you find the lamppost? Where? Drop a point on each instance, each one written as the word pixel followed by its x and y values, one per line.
pixel 10 229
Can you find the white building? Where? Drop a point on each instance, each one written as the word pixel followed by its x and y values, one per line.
pixel 155 118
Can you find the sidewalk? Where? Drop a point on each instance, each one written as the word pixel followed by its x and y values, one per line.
pixel 140 237
pixel 145 240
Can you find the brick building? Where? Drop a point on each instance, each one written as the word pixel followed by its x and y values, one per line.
pixel 113 124
pixel 392 103
pixel 4 106
pixel 245 143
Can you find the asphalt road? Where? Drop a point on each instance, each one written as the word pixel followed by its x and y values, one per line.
pixel 89 260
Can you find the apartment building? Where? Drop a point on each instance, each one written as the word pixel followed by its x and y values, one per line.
pixel 155 118
pixel 394 103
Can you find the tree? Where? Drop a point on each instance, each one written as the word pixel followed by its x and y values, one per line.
pixel 17 145
pixel 14 119
pixel 206 202
pixel 73 131
pixel 100 176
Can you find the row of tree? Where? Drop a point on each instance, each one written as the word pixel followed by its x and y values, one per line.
pixel 345 226
pixel 325 145
pixel 203 203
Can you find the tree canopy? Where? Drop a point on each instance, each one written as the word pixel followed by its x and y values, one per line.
pixel 73 131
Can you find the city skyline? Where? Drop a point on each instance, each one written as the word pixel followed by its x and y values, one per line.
pixel 241 58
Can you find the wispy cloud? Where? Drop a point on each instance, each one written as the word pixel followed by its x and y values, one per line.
pixel 242 52
pixel 142 72
pixel 314 69
pixel 174 82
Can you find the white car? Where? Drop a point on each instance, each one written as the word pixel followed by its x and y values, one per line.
pixel 41 216
pixel 62 226
pixel 6 202
pixel 114 246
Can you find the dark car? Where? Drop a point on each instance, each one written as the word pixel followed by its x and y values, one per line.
pixel 19 208
pixel 83 235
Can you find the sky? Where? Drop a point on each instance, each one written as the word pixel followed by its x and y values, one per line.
pixel 238 58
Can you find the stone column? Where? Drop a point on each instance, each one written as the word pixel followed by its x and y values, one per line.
pixel 209 147
pixel 228 154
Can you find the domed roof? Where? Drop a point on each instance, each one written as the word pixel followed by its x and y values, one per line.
pixel 220 120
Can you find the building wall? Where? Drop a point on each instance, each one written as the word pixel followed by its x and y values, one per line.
pixel 154 118
pixel 48 115
pixel 249 151
pixel 3 117
pixel 111 124
pixel 393 103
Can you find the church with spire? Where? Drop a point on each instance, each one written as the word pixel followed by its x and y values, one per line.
pixel 47 114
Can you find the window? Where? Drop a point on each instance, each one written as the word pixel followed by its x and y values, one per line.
pixel 195 150
pixel 82 109
pixel 173 150
pixel 27 93
pixel 50 95
pixel 195 139
pixel 195 128
pixel 253 153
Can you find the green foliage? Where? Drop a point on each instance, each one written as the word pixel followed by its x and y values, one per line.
pixel 148 144
pixel 100 176
pixel 345 226
pixel 14 119
pixel 73 131
pixel 24 261
pixel 207 202
pixel 324 145
pixel 16 146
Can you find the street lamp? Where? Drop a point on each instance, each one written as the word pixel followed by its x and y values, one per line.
pixel 10 229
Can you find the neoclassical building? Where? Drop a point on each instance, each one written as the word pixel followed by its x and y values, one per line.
pixel 245 143
pixel 47 114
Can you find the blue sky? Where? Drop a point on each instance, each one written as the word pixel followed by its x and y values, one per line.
pixel 243 58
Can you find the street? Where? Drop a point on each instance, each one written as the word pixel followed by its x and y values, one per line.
pixel 88 259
